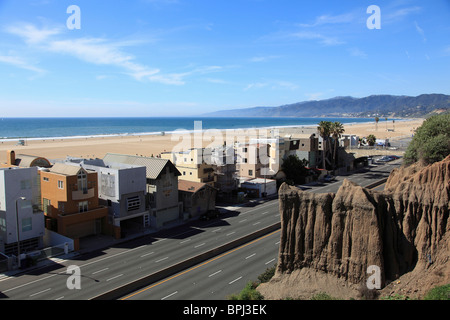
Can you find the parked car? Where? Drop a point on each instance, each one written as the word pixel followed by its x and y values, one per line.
pixel 385 159
pixel 329 178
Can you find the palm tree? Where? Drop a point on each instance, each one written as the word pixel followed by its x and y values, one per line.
pixel 324 130
pixel 336 130
pixel 376 122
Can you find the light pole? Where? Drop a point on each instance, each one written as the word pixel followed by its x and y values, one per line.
pixel 17 224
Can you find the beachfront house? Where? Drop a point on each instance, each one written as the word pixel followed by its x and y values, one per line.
pixel 122 189
pixel 24 161
pixel 198 198
pixel 194 165
pixel 70 201
pixel 21 217
pixel 161 187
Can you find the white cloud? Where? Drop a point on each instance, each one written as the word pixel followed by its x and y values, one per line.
pixel 20 63
pixel 329 19
pixel 325 40
pixel 420 31
pixel 356 52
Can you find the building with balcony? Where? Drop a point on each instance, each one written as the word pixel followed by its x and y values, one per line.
pixel 122 189
pixel 194 165
pixel 161 187
pixel 21 217
pixel 70 201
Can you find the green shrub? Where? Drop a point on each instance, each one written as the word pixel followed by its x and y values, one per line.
pixel 248 293
pixel 439 293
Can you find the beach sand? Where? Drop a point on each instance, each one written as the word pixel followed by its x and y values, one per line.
pixel 153 145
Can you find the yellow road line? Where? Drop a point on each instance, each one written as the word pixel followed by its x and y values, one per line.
pixel 200 265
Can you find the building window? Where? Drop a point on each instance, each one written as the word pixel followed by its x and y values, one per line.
pixel 60 184
pixel 133 203
pixel 26 224
pixel 25 184
pixel 82 206
pixel 250 172
pixel 82 180
pixel 184 173
pixel 45 179
pixel 46 205
pixel 61 206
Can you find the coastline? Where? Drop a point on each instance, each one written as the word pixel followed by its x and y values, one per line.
pixel 152 144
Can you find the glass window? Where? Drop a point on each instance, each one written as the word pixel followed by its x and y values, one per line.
pixel 26 224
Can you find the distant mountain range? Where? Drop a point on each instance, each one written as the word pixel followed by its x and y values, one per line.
pixel 371 106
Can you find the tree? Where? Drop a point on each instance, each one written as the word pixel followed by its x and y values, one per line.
pixel 371 139
pixel 376 122
pixel 431 143
pixel 324 131
pixel 336 130
pixel 294 169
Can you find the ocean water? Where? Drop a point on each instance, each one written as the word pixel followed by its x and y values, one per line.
pixel 39 128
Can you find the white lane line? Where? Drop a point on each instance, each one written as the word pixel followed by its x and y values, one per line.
pixel 185 241
pixel 119 275
pixel 162 259
pixel 199 245
pixel 270 261
pixel 100 271
pixel 213 274
pixel 235 280
pixel 257 223
pixel 35 294
pixel 169 295
pixel 217 229
pixel 147 254
pixel 243 220
pixel 254 254
pixel 265 212
pixel 277 243
pixel 229 234
pixel 60 298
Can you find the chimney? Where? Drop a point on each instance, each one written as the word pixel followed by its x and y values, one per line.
pixel 11 158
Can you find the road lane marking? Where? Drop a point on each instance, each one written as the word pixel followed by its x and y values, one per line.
pixel 162 259
pixel 147 254
pixel 119 275
pixel 35 294
pixel 169 295
pixel 233 281
pixel 200 265
pixel 270 261
pixel 257 223
pixel 229 234
pixel 213 274
pixel 254 254
pixel 185 240
pixel 100 271
pixel 199 245
pixel 243 220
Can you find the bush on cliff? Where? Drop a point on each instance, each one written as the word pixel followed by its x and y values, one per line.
pixel 431 143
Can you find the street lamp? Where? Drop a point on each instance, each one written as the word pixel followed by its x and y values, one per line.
pixel 17 223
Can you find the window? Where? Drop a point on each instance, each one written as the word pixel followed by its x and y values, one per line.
pixel 250 172
pixel 184 173
pixel 133 203
pixel 26 224
pixel 60 184
pixel 25 184
pixel 61 206
pixel 45 179
pixel 47 204
pixel 82 206
pixel 82 180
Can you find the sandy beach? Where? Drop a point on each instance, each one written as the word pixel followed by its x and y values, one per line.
pixel 153 145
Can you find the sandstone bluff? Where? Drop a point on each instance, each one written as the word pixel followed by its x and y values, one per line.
pixel 329 240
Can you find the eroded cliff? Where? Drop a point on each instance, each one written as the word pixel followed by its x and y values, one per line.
pixel 329 240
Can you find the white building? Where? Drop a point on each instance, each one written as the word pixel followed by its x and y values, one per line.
pixel 257 187
pixel 21 217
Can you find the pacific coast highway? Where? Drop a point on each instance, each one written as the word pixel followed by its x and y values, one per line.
pixel 112 267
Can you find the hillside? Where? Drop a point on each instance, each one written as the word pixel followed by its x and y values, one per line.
pixel 381 105
pixel 329 240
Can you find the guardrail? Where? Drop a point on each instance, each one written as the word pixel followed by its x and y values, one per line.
pixel 135 285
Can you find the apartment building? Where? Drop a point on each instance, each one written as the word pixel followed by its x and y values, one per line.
pixel 253 160
pixel 70 201
pixel 161 187
pixel 122 189
pixel 194 165
pixel 21 217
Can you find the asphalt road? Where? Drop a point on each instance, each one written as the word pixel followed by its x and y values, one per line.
pixel 104 270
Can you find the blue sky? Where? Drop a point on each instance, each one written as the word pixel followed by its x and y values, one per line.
pixel 188 57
